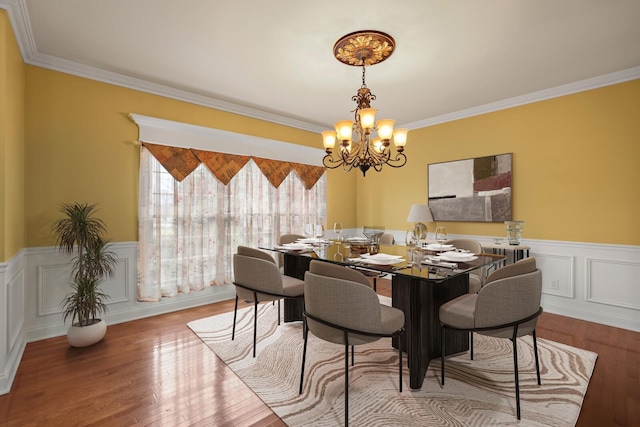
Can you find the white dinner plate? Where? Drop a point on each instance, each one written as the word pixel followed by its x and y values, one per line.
pixel 438 247
pixel 457 257
pixel 296 246
pixel 310 240
pixel 381 257
pixel 382 262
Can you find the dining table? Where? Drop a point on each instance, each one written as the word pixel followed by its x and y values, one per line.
pixel 422 279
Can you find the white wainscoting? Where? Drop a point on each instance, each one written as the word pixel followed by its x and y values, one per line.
pixel 47 275
pixel 12 303
pixel 595 282
pixel 590 281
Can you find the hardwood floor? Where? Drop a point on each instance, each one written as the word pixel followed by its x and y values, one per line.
pixel 155 371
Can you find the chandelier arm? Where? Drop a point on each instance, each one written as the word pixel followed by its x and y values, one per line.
pixel 330 163
pixel 380 157
pixel 398 161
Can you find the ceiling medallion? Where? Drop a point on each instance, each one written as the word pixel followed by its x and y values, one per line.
pixel 359 147
pixel 371 46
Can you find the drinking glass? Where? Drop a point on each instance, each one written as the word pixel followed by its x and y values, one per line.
pixel 441 235
pixel 319 231
pixel 337 228
pixel 308 230
pixel 411 239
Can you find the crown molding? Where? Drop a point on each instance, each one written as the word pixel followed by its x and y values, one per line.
pixel 554 92
pixel 18 14
pixel 19 17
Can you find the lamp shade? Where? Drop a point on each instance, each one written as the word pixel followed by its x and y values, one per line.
pixel 400 138
pixel 420 213
pixel 344 129
pixel 329 139
pixel 367 117
pixel 385 128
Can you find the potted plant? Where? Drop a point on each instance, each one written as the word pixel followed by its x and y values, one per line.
pixel 82 234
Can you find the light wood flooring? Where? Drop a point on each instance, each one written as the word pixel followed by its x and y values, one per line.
pixel 156 372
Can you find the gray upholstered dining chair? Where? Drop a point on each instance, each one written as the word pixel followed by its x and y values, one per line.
pixel 507 306
pixel 341 307
pixel 257 279
pixel 477 276
pixel 387 239
pixel 286 238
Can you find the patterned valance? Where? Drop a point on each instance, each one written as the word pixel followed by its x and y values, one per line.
pixel 180 162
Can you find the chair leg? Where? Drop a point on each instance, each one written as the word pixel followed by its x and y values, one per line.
pixel 515 368
pixel 346 379
pixel 235 313
pixel 278 312
pixel 471 344
pixel 375 284
pixel 400 357
pixel 535 350
pixel 442 332
pixel 305 333
pixel 353 352
pixel 255 322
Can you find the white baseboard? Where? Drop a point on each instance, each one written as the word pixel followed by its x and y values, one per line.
pixel 141 310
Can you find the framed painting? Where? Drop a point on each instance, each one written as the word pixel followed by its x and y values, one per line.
pixel 475 190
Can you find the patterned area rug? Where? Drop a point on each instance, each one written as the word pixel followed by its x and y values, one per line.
pixel 477 392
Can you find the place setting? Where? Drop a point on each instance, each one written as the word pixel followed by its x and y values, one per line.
pixel 380 259
pixel 295 247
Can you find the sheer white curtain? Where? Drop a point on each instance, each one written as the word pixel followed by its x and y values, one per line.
pixel 189 230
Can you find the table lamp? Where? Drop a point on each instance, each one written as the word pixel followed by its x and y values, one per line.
pixel 420 214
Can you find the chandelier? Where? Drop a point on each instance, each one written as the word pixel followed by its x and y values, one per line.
pixel 358 146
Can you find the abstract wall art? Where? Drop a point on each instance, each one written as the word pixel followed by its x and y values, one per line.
pixel 474 190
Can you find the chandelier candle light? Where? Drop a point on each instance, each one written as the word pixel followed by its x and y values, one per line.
pixel 358 148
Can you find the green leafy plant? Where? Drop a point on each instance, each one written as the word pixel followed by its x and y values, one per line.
pixel 80 232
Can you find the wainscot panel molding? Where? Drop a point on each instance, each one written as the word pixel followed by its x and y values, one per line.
pixel 589 281
pixel 12 319
pixel 47 277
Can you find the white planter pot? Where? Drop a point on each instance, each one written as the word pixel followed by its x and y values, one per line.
pixel 83 336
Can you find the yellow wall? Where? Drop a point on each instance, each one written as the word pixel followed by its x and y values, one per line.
pixel 12 83
pixel 79 148
pixel 575 158
pixel 576 167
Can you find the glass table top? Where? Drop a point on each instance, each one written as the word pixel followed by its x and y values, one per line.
pixel 396 259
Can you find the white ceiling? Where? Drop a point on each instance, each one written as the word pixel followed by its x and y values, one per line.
pixel 273 59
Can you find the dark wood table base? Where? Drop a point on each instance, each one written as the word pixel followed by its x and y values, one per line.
pixel 420 301
pixel 295 266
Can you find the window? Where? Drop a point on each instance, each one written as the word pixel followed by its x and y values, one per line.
pixel 189 230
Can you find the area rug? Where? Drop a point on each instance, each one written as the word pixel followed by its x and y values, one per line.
pixel 477 392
